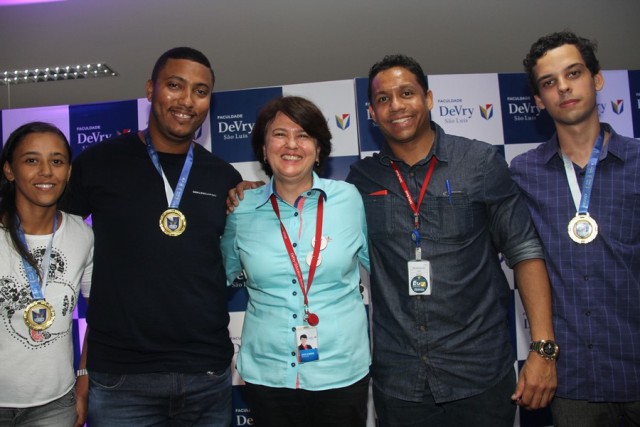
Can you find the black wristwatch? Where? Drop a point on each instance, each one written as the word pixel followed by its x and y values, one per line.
pixel 545 348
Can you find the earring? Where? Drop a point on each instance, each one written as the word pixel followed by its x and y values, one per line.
pixel 317 163
pixel 265 160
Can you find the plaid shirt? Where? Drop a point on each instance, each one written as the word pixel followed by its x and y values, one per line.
pixel 596 286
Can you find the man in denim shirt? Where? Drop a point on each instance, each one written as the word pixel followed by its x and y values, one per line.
pixel 440 209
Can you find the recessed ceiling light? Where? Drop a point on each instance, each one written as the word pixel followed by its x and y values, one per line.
pixel 52 74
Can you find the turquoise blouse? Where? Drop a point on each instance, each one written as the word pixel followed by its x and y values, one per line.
pixel 252 241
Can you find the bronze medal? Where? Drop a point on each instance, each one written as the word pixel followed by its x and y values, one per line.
pixel 172 222
pixel 39 315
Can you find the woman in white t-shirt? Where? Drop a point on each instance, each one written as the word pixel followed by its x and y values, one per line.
pixel 45 260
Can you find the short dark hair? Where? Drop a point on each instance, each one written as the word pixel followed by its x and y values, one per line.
pixel 586 47
pixel 403 61
pixel 303 336
pixel 8 209
pixel 301 111
pixel 188 53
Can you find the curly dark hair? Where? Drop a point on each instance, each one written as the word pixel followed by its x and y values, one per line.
pixel 402 61
pixel 586 47
pixel 301 111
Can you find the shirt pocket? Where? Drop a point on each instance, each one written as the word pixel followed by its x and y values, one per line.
pixel 378 210
pixel 450 220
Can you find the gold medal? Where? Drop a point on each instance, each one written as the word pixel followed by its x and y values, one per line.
pixel 39 315
pixel 582 228
pixel 172 222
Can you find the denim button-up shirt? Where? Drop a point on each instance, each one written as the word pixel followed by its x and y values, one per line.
pixel 456 339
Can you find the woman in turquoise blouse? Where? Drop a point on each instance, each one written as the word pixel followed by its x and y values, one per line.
pixel 273 236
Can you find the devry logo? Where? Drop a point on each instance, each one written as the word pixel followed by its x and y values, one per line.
pixel 455 113
pixel 91 135
pixel 487 111
pixel 238 128
pixel 523 108
pixel 243 420
pixel 343 121
pixel 617 106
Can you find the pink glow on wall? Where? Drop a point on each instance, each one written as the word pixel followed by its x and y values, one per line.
pixel 21 2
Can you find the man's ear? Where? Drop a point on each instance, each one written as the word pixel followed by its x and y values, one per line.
pixel 372 114
pixel 149 90
pixel 598 79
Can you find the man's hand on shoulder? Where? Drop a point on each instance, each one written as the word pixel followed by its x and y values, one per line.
pixel 237 193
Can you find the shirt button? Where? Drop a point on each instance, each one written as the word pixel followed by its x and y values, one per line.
pixel 295 316
pixel 424 358
pixel 294 281
pixel 295 245
pixel 586 278
pixel 294 293
pixel 293 329
pixel 590 346
pixel 588 313
pixel 293 353
pixel 293 365
pixel 295 214
pixel 308 193
pixel 423 328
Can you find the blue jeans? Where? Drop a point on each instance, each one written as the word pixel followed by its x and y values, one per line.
pixel 493 408
pixel 59 413
pixel 160 399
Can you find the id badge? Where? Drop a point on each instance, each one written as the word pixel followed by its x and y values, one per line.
pixel 307 343
pixel 419 277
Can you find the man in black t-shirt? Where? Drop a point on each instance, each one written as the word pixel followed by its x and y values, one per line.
pixel 158 346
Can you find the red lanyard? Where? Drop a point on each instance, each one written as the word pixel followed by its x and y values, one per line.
pixel 415 208
pixel 294 258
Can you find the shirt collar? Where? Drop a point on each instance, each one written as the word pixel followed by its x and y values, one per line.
pixel 612 146
pixel 386 155
pixel 318 185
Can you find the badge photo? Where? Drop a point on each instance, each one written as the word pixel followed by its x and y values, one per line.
pixel 307 343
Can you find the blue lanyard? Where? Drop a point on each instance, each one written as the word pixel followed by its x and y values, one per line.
pixel 173 197
pixel 583 205
pixel 37 291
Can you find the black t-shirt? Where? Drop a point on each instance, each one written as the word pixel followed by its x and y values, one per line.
pixel 158 303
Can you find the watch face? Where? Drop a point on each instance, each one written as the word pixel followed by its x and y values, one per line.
pixel 549 348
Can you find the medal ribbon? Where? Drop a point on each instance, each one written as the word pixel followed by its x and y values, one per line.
pixel 173 198
pixel 292 255
pixel 37 291
pixel 581 199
